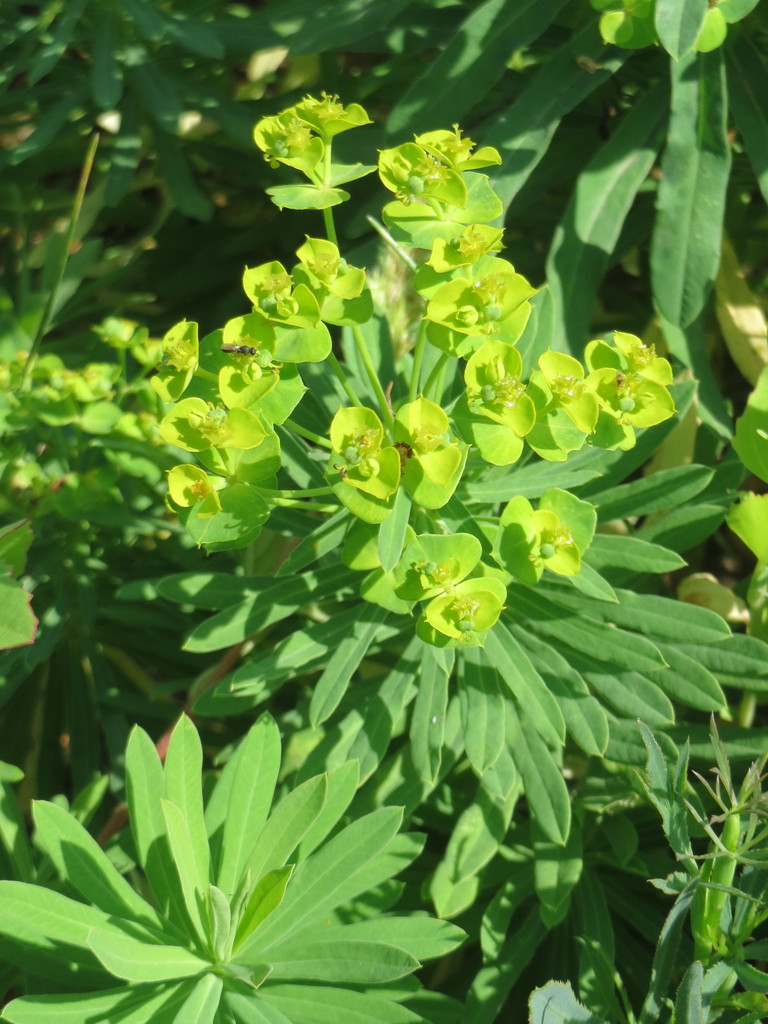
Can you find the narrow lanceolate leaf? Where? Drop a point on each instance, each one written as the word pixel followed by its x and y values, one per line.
pixel 145 783
pixel 267 894
pixel 287 826
pixel 80 860
pixel 340 960
pixel 13 831
pixel 685 249
pixel 341 784
pixel 428 720
pixel 344 662
pixel 194 886
pixel 482 710
pixel 524 131
pixel 589 231
pixel 424 937
pixel 128 958
pixel 237 811
pixel 326 878
pixel 392 531
pixel 202 1002
pixel 525 683
pixel 326 1005
pixel 747 89
pixel 148 1003
pixel 666 952
pixel 678 23
pixel 543 781
pixel 183 773
pixel 689 1008
pixel 647 494
pixel 470 63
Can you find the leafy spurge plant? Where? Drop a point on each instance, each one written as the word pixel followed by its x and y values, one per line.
pixel 246 910
pixel 239 384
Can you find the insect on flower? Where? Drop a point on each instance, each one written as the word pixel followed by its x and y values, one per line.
pixel 240 350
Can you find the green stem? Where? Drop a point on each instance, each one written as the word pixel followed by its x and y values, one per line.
pixel 343 379
pixel 418 358
pixel 206 375
pixel 436 372
pixel 307 492
pixel 77 206
pixel 370 369
pixel 303 432
pixel 330 227
pixel 393 245
pixel 308 506
pixel 745 715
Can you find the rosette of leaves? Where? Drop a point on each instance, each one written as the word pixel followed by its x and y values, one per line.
pixel 247 912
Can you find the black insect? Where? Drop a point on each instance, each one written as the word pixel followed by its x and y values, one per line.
pixel 240 350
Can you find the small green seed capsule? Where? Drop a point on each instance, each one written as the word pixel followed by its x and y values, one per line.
pixel 415 185
pixel 488 393
pixel 351 455
pixel 548 550
pixel 627 404
pixel 466 625
pixel 492 311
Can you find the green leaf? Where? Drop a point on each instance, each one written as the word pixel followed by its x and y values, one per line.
pixel 664 960
pixel 287 826
pixel 687 681
pixel 52 928
pixel 178 176
pixel 19 624
pixel 239 805
pixel 740 661
pixel 304 1004
pixel 48 127
pixel 202 1002
pixel 183 771
pixel 470 63
pixel 629 693
pixel 341 784
pixel 589 231
pixel 525 683
pixel 751 439
pixel 423 937
pixel 384 708
pixel 326 538
pixel 267 894
pixel 344 662
pixel 306 197
pixel 747 85
pixel 493 982
pixel 326 879
pixel 351 961
pixel 14 841
pixel 475 839
pixel 269 601
pixel 392 532
pixel 648 494
pixel 689 1008
pixel 525 129
pixel 106 72
pixel 685 249
pixel 543 782
pixel 128 958
pixel 482 709
pixel 556 870
pixel 582 633
pixel 631 553
pixel 555 1003
pixel 303 650
pixel 658 617
pixel 128 1006
pixel 585 719
pixel 145 784
pixel 678 23
pixel 429 710
pixel 194 885
pixel 80 860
